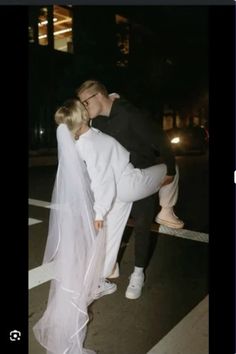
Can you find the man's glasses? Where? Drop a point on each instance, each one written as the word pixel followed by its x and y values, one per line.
pixel 85 102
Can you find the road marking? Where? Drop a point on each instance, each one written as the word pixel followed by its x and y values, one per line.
pixel 40 275
pixel 39 203
pixel 182 233
pixel 32 221
pixel 190 335
pixel 43 277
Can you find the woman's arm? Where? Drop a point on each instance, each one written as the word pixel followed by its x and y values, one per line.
pixel 100 171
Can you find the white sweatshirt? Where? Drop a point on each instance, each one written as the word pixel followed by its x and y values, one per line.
pixel 105 159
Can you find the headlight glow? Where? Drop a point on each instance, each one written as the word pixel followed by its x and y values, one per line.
pixel 175 140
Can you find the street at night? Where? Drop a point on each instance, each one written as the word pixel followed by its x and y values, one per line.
pixel 122 65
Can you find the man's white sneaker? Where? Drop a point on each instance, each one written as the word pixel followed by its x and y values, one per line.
pixel 134 288
pixel 105 288
pixel 168 218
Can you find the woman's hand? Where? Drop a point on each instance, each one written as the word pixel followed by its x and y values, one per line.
pixel 98 224
pixel 167 180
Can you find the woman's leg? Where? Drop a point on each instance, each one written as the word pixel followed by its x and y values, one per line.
pixel 168 197
pixel 136 184
pixel 114 227
pixel 168 194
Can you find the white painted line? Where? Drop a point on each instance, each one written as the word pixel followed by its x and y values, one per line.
pixel 39 203
pixel 40 275
pixel 183 233
pixel 32 221
pixel 190 335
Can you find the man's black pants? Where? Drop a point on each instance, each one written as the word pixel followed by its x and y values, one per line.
pixel 143 212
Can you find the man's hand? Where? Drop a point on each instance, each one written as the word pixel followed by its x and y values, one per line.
pixel 98 224
pixel 167 180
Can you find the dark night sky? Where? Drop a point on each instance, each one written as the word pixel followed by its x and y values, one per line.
pixel 180 32
pixel 175 23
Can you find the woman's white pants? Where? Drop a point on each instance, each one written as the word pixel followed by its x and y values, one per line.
pixel 134 184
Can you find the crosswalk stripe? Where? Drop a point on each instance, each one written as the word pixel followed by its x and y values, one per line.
pixel 40 275
pixel 39 203
pixel 182 233
pixel 32 221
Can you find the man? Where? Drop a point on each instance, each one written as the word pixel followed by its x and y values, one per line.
pixel 146 144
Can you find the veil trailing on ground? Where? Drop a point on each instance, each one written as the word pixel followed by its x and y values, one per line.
pixel 77 252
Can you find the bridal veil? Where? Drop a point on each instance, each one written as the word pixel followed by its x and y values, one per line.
pixel 77 252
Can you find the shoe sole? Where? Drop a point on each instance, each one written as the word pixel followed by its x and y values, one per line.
pixel 169 224
pixel 103 293
pixel 132 297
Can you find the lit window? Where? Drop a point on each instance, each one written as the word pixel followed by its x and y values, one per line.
pixel 62 28
pixel 42 26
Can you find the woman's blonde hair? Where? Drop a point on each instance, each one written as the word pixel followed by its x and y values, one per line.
pixel 73 114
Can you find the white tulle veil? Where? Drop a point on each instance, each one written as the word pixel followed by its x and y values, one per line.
pixel 77 252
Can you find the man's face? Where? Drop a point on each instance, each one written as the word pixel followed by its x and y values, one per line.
pixel 91 102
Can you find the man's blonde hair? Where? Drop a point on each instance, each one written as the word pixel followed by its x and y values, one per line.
pixel 73 114
pixel 93 87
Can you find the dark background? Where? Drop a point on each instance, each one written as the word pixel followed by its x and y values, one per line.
pixel 167 63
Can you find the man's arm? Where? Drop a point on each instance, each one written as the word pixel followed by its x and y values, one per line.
pixel 149 132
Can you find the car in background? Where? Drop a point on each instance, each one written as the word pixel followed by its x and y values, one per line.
pixel 191 139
